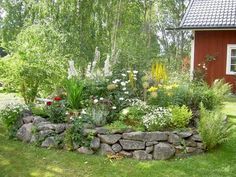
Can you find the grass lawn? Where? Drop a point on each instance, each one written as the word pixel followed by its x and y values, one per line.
pixel 23 160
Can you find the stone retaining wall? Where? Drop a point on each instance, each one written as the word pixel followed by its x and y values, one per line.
pixel 139 145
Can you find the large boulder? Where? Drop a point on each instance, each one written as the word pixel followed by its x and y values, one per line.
pixel 59 128
pixel 163 151
pixel 49 142
pixel 174 139
pixel 146 136
pixel 95 144
pixel 132 145
pixel 110 139
pixel 25 132
pixel 138 136
pixel 142 155
pixel 38 120
pixel 28 119
pixel 106 149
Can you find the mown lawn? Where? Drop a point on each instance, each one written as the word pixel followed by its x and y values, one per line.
pixel 22 160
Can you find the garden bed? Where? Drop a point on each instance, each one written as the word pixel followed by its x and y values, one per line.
pixel 120 143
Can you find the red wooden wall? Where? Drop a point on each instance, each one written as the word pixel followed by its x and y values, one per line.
pixel 214 43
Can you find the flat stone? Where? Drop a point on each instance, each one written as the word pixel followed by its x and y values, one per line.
pixel 190 149
pixel 146 136
pixel 196 138
pixel 116 147
pixel 174 139
pixel 190 143
pixel 85 150
pixel 59 128
pixel 102 130
pixel 87 132
pixel 49 142
pixel 185 134
pixel 163 151
pixel 151 143
pixel 95 144
pixel 25 132
pixel 110 139
pixel 28 119
pixel 125 154
pixel 44 133
pixel 142 155
pixel 106 149
pixel 48 126
pixel 38 119
pixel 149 149
pixel 201 146
pixel 132 145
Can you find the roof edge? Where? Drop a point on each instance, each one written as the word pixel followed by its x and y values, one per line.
pixel 187 11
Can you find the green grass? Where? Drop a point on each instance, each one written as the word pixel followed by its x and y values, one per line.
pixel 22 160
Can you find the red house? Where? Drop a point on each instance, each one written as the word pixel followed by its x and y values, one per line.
pixel 213 23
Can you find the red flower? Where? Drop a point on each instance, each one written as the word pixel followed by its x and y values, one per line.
pixel 49 103
pixel 57 98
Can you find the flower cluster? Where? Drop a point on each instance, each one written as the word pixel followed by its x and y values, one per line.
pixel 157 119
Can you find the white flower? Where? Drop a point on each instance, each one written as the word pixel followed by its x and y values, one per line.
pixel 121 99
pixel 113 107
pixel 126 93
pixel 123 83
pixel 135 72
pixel 123 74
pixel 83 111
pixel 95 101
pixel 101 98
pixel 124 88
pixel 128 71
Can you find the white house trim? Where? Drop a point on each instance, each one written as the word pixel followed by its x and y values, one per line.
pixel 228 61
pixel 192 55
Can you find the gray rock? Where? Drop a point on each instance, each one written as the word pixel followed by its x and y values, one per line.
pixel 28 119
pixel 116 147
pixel 85 150
pixel 179 149
pixel 59 128
pixel 38 120
pixel 87 132
pixel 44 133
pixel 49 142
pixel 190 143
pixel 75 145
pixel 146 136
pixel 142 155
pixel 95 144
pixel 132 145
pixel 151 143
pixel 185 134
pixel 110 139
pixel 163 151
pixel 138 136
pixel 196 138
pixel 88 126
pixel 149 149
pixel 174 139
pixel 48 126
pixel 34 139
pixel 125 154
pixel 201 146
pixel 106 149
pixel 190 149
pixel 25 132
pixel 102 130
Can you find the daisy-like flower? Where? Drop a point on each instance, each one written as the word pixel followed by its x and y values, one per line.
pixel 135 72
pixel 121 99
pixel 123 83
pixel 124 88
pixel 101 99
pixel 123 74
pixel 114 107
pixel 95 101
pixel 126 93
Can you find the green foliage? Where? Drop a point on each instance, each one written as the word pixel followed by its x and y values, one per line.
pixel 180 116
pixel 39 111
pixel 74 92
pixel 11 117
pixel 56 112
pixel 213 127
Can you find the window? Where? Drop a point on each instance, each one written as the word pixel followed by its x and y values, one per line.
pixel 231 59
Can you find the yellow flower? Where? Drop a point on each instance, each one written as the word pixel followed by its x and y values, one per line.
pixel 152 89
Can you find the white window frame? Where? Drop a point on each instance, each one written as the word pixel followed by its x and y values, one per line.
pixel 228 62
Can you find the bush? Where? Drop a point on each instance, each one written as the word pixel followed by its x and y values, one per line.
pixel 157 119
pixel 11 118
pixel 180 116
pixel 213 127
pixel 56 111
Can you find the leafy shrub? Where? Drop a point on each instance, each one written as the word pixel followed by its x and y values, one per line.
pixel 180 116
pixel 157 119
pixel 11 118
pixel 74 90
pixel 56 111
pixel 159 98
pixel 213 127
